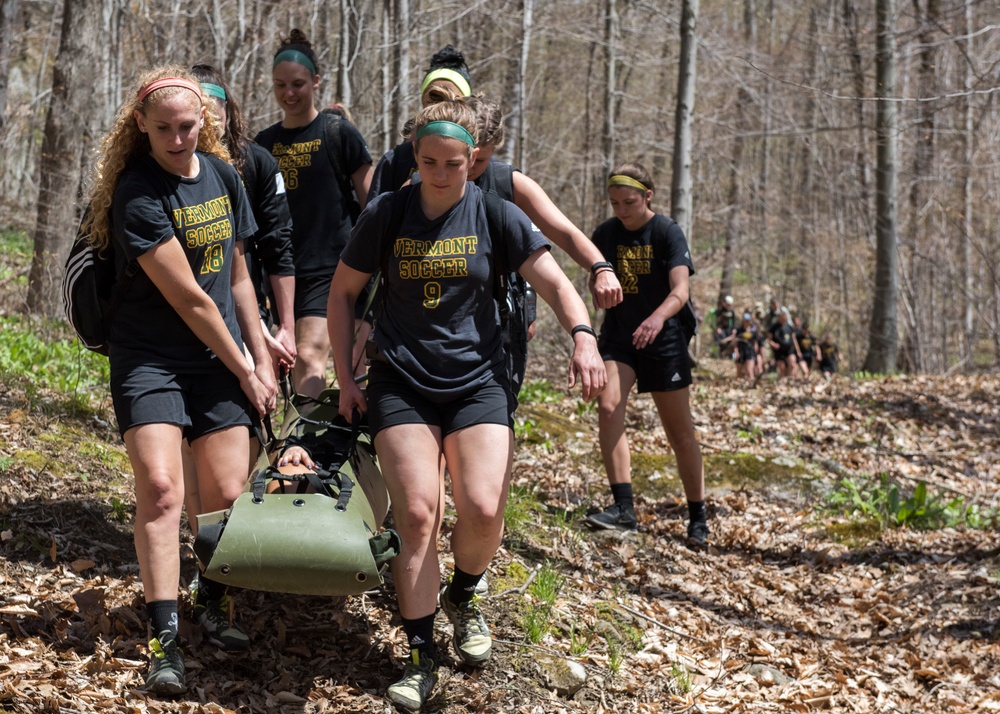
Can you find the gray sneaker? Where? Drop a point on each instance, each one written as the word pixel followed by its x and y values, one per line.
pixel 698 534
pixel 472 635
pixel 419 678
pixel 220 629
pixel 166 666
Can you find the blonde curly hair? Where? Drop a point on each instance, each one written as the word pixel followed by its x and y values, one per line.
pixel 124 142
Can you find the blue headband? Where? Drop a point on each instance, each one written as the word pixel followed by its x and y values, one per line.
pixel 295 56
pixel 213 90
pixel 448 129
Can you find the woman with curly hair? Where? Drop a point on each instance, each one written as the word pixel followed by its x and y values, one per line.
pixel 177 216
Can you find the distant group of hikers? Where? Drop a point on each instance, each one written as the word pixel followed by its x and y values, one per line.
pixel 760 341
pixel 245 256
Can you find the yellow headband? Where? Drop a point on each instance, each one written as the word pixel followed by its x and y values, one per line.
pixel 620 180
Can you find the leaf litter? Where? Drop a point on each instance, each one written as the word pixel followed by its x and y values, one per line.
pixel 780 614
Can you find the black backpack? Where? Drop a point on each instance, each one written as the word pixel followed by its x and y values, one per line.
pixel 686 317
pixel 91 290
pixel 509 286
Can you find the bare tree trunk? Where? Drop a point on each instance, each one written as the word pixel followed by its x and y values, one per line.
pixel 882 343
pixel 968 298
pixel 681 181
pixel 344 64
pixel 611 31
pixel 386 76
pixel 735 203
pixel 521 95
pixel 76 78
pixel 402 112
pixel 8 15
pixel 850 22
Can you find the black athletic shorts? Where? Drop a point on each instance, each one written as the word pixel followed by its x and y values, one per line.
pixel 783 355
pixel 311 294
pixel 198 403
pixel 653 374
pixel 393 401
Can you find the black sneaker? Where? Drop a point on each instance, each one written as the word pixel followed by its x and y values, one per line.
pixel 698 534
pixel 166 666
pixel 220 628
pixel 616 517
pixel 418 680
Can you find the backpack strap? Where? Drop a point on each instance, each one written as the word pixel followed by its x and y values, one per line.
pixel 331 137
pixel 496 221
pixel 686 317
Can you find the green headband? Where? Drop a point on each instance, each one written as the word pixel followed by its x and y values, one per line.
pixel 449 74
pixel 295 56
pixel 620 180
pixel 213 90
pixel 449 129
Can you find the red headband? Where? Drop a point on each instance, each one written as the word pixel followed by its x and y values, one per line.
pixel 169 82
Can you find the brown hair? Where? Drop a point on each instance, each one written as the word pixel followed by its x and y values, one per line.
pixel 490 120
pixel 634 170
pixel 297 40
pixel 234 133
pixel 457 111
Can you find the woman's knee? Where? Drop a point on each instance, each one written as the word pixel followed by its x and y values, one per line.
pixel 158 495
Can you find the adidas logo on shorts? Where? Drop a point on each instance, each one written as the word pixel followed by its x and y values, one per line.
pixel 676 377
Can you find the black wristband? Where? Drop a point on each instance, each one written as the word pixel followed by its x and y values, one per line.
pixel 602 264
pixel 583 328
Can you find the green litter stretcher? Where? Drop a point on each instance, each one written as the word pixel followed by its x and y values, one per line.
pixel 327 542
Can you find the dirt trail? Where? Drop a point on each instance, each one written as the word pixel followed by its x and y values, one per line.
pixel 792 609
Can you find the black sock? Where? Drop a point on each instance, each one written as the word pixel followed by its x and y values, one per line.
pixel 463 586
pixel 420 635
pixel 162 617
pixel 622 493
pixel 696 511
pixel 209 590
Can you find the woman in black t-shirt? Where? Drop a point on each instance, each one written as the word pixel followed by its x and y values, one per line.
pixel 269 253
pixel 642 343
pixel 177 217
pixel 446 78
pixel 807 347
pixel 784 344
pixel 323 159
pixel 532 199
pixel 438 393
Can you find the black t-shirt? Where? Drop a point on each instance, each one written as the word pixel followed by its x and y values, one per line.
pixel 643 265
pixel 806 342
pixel 782 334
pixel 269 251
pixel 208 214
pixel 439 324
pixel 394 169
pixel 321 213
pixel 828 355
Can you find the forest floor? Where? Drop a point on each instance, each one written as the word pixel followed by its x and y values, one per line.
pixel 797 606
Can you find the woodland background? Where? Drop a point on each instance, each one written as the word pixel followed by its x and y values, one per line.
pixel 784 144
